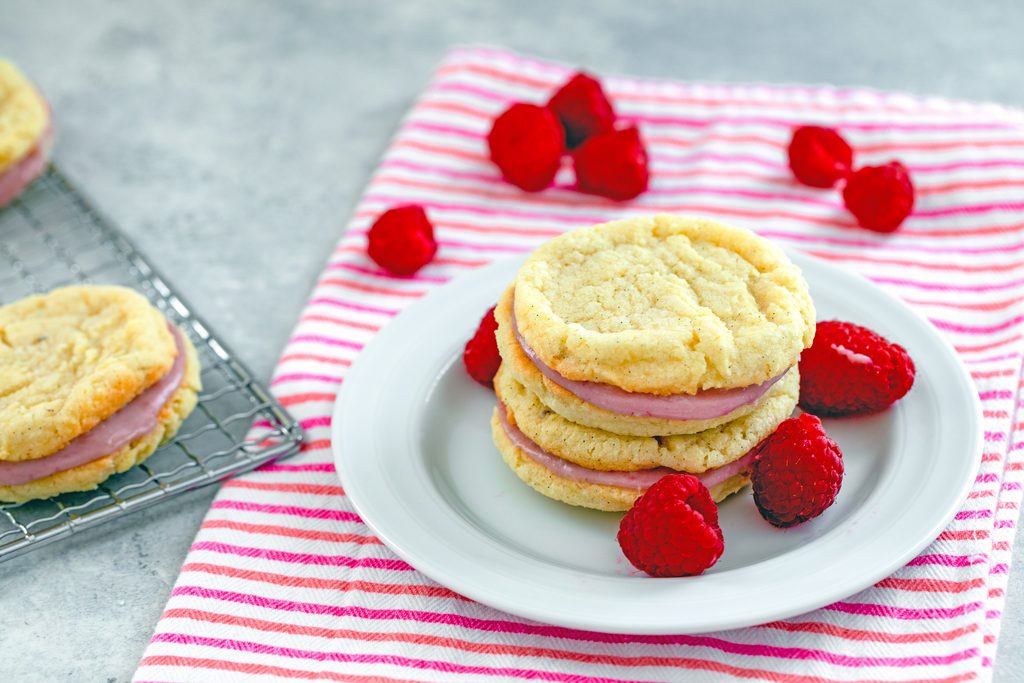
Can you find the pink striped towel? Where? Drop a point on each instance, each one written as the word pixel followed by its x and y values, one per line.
pixel 285 582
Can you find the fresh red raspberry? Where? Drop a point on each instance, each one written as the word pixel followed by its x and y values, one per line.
pixel 672 529
pixel 850 369
pixel 797 472
pixel 526 144
pixel 481 353
pixel 819 156
pixel 880 197
pixel 583 108
pixel 612 164
pixel 401 240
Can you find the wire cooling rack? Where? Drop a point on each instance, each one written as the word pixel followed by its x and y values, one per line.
pixel 51 236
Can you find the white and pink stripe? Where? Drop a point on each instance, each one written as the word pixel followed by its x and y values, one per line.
pixel 285 582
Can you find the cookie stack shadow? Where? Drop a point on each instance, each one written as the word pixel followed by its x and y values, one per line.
pixel 640 348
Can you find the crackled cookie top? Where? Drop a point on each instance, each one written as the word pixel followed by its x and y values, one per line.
pixel 71 358
pixel 664 305
pixel 23 115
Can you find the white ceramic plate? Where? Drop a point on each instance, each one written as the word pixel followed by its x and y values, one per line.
pixel 412 445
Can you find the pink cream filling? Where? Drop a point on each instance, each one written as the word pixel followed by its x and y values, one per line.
pixel 137 418
pixel 17 177
pixel 639 480
pixel 703 405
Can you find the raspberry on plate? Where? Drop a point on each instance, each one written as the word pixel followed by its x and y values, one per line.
pixel 880 197
pixel 481 353
pixel 850 369
pixel 672 529
pixel 583 108
pixel 612 164
pixel 819 156
pixel 401 240
pixel 797 472
pixel 526 143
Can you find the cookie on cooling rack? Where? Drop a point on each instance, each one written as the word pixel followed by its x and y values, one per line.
pixel 92 379
pixel 26 132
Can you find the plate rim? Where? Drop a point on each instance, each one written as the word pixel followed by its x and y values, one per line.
pixel 444 576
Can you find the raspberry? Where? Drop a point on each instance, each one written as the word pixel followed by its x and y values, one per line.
pixel 819 156
pixel 612 164
pixel 481 353
pixel 880 197
pixel 526 144
pixel 672 529
pixel 583 108
pixel 401 240
pixel 850 369
pixel 797 472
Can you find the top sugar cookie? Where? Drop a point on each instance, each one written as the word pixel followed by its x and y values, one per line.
pixel 70 359
pixel 664 305
pixel 23 115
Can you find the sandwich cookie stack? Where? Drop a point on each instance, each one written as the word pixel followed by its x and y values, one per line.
pixel 92 379
pixel 645 347
pixel 26 132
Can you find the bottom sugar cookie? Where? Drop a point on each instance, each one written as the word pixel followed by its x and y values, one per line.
pixel 597 496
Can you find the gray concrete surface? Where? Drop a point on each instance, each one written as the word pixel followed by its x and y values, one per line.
pixel 232 139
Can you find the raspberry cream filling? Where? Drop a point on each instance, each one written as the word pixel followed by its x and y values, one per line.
pixel 22 172
pixel 138 418
pixel 639 480
pixel 704 405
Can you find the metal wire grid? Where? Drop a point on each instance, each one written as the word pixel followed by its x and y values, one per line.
pixel 51 236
